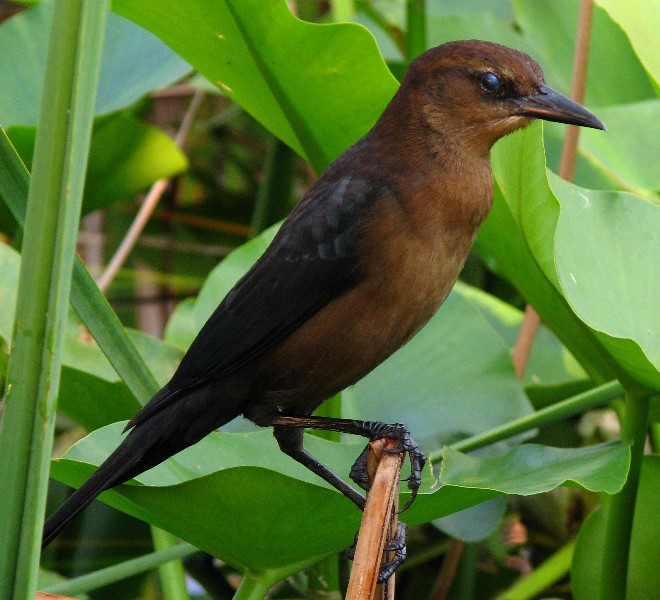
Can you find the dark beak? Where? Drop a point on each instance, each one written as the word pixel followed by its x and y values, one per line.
pixel 553 106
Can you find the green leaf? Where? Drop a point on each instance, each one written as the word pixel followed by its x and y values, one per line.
pixel 616 258
pixel 640 19
pixel 617 294
pixel 551 27
pixel 533 469
pixel 23 41
pixel 221 491
pixel 475 523
pixel 550 363
pixel 278 68
pixel 643 577
pixel 485 25
pixel 126 157
pixel 628 153
pixel 502 238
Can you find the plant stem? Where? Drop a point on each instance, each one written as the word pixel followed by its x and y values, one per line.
pixel 465 579
pixel 172 576
pixel 123 570
pixel 253 587
pixel 620 508
pixel 416 28
pixel 602 394
pixel 51 224
pixel 149 205
pixel 86 298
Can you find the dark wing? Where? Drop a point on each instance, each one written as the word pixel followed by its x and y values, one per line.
pixel 311 260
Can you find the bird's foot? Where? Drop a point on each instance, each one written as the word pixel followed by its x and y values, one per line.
pixel 406 444
pixel 396 545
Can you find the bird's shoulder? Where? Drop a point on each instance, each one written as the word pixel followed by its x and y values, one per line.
pixel 313 259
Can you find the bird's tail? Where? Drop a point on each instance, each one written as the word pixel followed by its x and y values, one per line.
pixel 165 432
pixel 118 468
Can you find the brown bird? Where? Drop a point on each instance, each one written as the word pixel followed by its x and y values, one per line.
pixel 361 264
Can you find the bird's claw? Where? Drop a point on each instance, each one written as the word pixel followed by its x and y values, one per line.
pixel 358 471
pixel 396 545
pixel 417 461
pixel 407 445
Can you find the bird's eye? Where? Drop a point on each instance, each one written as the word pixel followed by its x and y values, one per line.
pixel 490 81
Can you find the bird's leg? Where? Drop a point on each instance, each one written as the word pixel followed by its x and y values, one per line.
pixel 372 430
pixel 291 443
pixel 288 431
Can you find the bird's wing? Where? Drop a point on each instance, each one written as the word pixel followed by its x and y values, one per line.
pixel 313 259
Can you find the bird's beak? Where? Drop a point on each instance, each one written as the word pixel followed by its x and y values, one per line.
pixel 550 105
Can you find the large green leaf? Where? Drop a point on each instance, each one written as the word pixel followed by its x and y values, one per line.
pixel 624 158
pixel 535 208
pixel 551 27
pixel 485 25
pixel 134 63
pixel 617 294
pixel 628 153
pixel 550 363
pixel 501 238
pixel 217 494
pixel 317 87
pixel 640 19
pixel 643 576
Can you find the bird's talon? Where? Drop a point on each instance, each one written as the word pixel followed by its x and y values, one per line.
pixel 398 546
pixel 358 472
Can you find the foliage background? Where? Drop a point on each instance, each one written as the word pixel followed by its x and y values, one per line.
pixel 274 85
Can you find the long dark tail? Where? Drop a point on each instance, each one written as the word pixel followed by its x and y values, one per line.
pixel 119 467
pixel 162 434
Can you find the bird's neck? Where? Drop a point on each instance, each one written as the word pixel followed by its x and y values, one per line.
pixel 448 181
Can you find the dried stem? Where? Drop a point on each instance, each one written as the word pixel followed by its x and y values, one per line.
pixel 379 524
pixel 149 205
pixel 448 570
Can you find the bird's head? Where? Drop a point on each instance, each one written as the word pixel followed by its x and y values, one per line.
pixel 476 92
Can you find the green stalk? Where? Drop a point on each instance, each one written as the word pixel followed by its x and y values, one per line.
pixel 172 576
pixel 416 28
pixel 620 508
pixel 121 571
pixel 541 578
pixel 51 225
pixel 603 394
pixel 90 304
pixel 253 587
pixel 86 298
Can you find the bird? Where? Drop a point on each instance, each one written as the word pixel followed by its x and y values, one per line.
pixel 362 262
